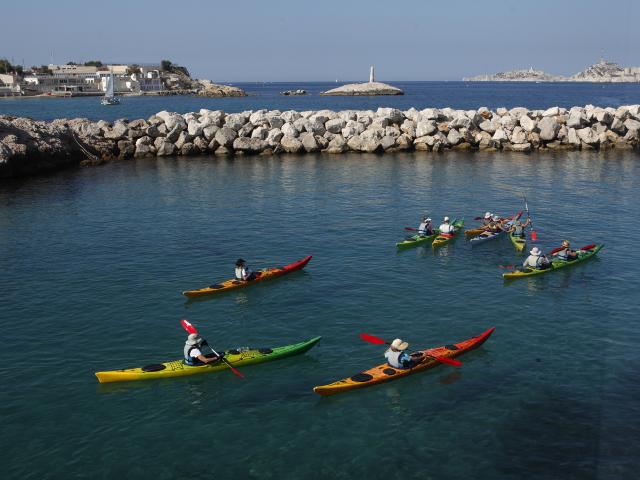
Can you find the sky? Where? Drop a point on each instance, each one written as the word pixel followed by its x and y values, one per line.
pixel 283 40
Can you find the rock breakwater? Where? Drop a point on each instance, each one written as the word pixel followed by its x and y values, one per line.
pixel 28 146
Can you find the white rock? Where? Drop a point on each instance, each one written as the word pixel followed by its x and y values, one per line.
pixel 587 135
pixel 393 115
pixel 335 126
pixel 425 128
pixel 210 132
pixel 289 130
pixel 551 112
pixel 274 136
pixel 527 123
pixel 548 128
pixel 500 136
pixel 291 144
pixel 519 135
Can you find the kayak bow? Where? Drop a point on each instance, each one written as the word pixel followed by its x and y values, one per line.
pixel 385 373
pixel 232 284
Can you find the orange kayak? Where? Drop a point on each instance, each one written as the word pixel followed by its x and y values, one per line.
pixel 266 274
pixel 386 373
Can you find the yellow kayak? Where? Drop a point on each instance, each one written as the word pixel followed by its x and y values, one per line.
pixel 177 368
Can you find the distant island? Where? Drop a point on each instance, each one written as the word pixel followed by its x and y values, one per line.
pixel 603 72
pixel 90 79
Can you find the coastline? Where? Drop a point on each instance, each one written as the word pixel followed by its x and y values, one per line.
pixel 29 147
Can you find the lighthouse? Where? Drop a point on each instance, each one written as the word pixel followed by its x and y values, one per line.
pixel 372 76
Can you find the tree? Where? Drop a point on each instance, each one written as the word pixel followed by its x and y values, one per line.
pixel 131 69
pixel 7 67
pixel 72 63
pixel 93 63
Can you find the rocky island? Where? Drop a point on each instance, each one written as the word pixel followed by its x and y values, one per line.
pixel 29 147
pixel 602 71
pixel 370 88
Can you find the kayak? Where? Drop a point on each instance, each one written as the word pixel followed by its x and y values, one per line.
pixel 385 373
pixel 416 240
pixel 266 274
pixel 555 264
pixel 477 231
pixel 519 242
pixel 177 368
pixel 493 235
pixel 445 238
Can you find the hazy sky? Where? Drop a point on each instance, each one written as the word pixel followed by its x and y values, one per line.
pixel 254 40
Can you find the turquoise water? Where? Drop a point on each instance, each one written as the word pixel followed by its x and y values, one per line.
pixel 93 262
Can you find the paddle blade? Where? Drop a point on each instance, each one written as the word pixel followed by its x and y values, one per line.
pixel 411 229
pixel 534 236
pixel 187 326
pixel 505 266
pixel 234 370
pixel 554 251
pixel 588 247
pixel 372 339
pixel 449 361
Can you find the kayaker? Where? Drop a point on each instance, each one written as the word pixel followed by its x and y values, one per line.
pixel 493 227
pixel 446 227
pixel 536 260
pixel 193 351
pixel 397 356
pixel 244 273
pixel 517 229
pixel 425 228
pixel 487 219
pixel 566 253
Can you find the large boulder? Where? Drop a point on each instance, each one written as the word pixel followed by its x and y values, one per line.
pixel 519 135
pixel 235 121
pixel 425 128
pixel 335 126
pixel 163 147
pixel 489 126
pixel 551 112
pixel 527 123
pixel 172 120
pixel 392 115
pixel 249 145
pixel 289 130
pixel 291 144
pixel 118 131
pixel 309 142
pixel 225 136
pixel 337 145
pixel 577 118
pixel 548 127
pixel 588 136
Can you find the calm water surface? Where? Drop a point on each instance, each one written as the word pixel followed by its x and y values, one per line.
pixel 93 262
pixel 465 95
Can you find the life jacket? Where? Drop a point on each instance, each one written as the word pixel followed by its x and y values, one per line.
pixel 395 359
pixel 425 228
pixel 563 254
pixel 188 359
pixel 447 228
pixel 240 273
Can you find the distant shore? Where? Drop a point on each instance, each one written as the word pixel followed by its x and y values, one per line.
pixel 29 147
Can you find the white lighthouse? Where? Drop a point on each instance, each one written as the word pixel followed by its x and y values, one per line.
pixel 372 75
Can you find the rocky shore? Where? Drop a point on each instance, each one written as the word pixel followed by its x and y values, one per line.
pixel 30 147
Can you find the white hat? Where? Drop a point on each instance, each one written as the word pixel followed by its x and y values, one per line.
pixel 428 219
pixel 446 219
pixel 398 344
pixel 487 215
pixel 194 339
pixel 495 218
pixel 535 251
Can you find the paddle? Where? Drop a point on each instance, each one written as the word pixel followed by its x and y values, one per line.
pixel 379 341
pixel 411 229
pixel 534 234
pixel 586 247
pixel 191 329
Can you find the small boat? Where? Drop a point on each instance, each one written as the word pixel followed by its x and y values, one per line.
pixel 177 368
pixel 386 373
pixel 109 96
pixel 444 238
pixel 233 284
pixel 585 253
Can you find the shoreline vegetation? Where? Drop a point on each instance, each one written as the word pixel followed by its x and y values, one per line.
pixel 29 147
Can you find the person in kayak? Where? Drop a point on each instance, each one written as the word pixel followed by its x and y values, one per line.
pixel 193 351
pixel 398 357
pixel 517 229
pixel 487 219
pixel 536 260
pixel 566 253
pixel 426 228
pixel 446 227
pixel 493 227
pixel 244 273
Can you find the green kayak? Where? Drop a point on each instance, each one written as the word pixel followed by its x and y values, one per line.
pixel 519 242
pixel 415 240
pixel 585 254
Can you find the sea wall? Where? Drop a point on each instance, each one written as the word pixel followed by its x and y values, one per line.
pixel 28 146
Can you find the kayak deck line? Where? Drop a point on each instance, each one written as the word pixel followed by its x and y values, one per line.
pixel 385 373
pixel 261 275
pixel 177 368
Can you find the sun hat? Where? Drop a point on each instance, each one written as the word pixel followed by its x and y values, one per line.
pixel 495 218
pixel 446 219
pixel 487 215
pixel 535 251
pixel 428 220
pixel 240 262
pixel 194 339
pixel 398 344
